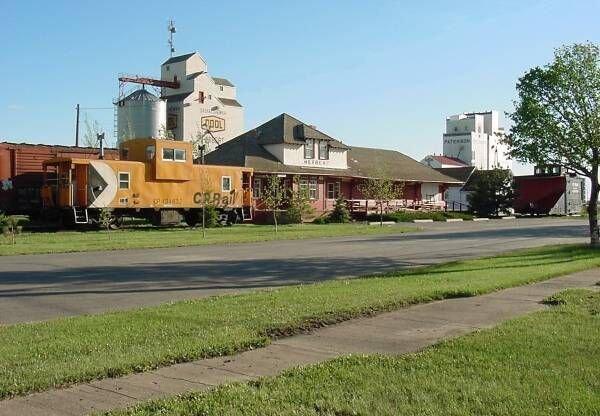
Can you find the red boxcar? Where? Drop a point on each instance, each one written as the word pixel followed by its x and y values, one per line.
pixel 21 172
pixel 562 194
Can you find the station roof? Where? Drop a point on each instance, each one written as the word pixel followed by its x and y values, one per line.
pixel 461 173
pixel 248 150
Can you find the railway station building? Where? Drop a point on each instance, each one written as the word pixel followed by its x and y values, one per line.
pixel 301 155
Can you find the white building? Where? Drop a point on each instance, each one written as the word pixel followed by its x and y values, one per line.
pixel 201 103
pixel 474 138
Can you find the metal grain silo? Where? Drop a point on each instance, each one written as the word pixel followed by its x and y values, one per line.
pixel 141 115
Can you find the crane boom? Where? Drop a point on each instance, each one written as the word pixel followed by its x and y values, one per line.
pixel 151 81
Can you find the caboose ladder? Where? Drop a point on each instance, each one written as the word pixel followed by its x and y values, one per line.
pixel 247 213
pixel 80 215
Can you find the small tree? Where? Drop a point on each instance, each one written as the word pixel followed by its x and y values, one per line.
pixel 299 206
pixel 164 133
pixel 557 118
pixel 340 213
pixel 273 196
pixel 91 130
pixel 106 219
pixel 382 190
pixel 491 193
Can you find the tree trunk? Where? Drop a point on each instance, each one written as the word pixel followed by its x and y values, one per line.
pixel 203 221
pixel 381 215
pixel 275 219
pixel 593 210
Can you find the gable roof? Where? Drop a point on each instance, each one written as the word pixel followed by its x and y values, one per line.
pixel 461 173
pixel 248 150
pixel 448 160
pixel 372 163
pixel 179 58
pixel 287 129
pixel 223 81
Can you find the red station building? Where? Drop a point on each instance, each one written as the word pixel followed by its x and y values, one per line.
pixel 326 168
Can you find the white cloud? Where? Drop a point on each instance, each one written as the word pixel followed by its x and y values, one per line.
pixel 15 107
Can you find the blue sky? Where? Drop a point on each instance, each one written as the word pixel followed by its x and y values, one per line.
pixel 379 74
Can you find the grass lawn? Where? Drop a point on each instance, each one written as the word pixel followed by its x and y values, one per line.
pixel 42 355
pixel 149 237
pixel 543 364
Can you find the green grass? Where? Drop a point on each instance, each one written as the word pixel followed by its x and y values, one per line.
pixel 543 364
pixel 149 237
pixel 42 355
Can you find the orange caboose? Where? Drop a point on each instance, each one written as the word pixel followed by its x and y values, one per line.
pixel 155 179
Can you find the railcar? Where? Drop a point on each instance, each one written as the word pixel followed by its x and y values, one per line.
pixel 550 191
pixel 154 179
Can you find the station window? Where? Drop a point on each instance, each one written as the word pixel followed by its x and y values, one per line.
pixel 150 152
pixel 333 190
pixel 168 154
pixel 226 183
pixel 180 155
pixel 310 186
pixel 303 185
pixel 123 180
pixel 309 149
pixel 257 188
pixel 323 150
pixel 313 188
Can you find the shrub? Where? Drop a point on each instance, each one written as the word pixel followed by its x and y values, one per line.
pixel 3 219
pixel 409 216
pixel 211 216
pixel 340 213
pixel 321 220
pixel 299 207
pixel 10 227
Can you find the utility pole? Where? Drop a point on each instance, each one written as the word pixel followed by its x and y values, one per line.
pixel 77 127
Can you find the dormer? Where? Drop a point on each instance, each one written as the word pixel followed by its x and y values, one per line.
pixel 296 143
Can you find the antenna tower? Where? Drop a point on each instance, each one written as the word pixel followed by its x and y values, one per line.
pixel 171 29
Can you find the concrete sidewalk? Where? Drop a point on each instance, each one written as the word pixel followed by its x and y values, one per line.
pixel 403 331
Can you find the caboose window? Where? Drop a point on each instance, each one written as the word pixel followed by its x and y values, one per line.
pixel 168 154
pixel 180 155
pixel 226 183
pixel 123 180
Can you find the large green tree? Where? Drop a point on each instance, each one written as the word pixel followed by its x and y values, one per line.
pixel 557 117
pixel 491 192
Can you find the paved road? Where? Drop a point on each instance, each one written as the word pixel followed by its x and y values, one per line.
pixel 39 287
